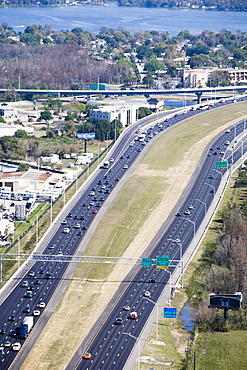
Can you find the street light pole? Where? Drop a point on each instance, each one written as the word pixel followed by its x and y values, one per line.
pixel 170 284
pixel 157 315
pixel 180 258
pixel 139 348
pixel 205 208
pixel 194 225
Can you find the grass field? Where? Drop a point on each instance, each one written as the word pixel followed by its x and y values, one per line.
pixel 136 214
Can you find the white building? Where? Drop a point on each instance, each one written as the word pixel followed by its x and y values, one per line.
pixel 37 181
pixel 127 114
pixel 10 130
pixel 196 77
pixel 8 112
pixel 237 75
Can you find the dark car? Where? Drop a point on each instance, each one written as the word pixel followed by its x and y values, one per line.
pixel 69 215
pixel 41 271
pixel 81 217
pixel 118 321
pixel 48 276
pixel 3 331
pixel 31 287
pixel 76 217
pixel 27 309
pixel 80 233
pixel 152 280
pixel 52 246
pixel 178 214
pixel 84 227
pixel 37 282
pixel 12 318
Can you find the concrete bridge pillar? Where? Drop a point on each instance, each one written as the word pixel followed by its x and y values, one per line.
pixel 199 95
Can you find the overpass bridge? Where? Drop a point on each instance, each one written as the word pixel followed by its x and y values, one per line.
pixel 146 92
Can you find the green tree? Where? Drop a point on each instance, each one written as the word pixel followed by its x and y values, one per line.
pixel 23 167
pixel 148 80
pixel 143 112
pixel 2 120
pixel 46 115
pixel 153 65
pixel 21 134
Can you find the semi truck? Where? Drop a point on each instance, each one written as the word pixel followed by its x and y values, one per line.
pixel 23 330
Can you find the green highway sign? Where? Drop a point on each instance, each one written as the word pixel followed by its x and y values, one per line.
pixel 147 262
pixel 162 262
pixel 223 164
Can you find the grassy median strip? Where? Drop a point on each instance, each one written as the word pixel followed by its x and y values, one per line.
pixel 140 207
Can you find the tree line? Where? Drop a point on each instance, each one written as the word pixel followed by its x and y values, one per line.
pixel 40 58
pixel 222 270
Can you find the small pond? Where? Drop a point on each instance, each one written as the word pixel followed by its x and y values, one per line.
pixel 186 316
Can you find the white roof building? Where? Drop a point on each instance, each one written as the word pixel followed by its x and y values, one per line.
pixel 29 181
pixel 10 130
pixel 127 114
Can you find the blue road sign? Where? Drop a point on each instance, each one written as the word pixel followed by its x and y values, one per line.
pixel 170 312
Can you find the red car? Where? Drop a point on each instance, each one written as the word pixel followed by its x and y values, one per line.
pixel 95 211
pixel 87 355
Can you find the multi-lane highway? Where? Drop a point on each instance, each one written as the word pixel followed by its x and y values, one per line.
pixel 110 347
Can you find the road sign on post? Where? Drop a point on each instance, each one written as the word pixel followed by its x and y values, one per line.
pixel 162 262
pixel 170 313
pixel 223 164
pixel 147 262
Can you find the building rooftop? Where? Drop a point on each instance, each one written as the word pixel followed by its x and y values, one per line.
pixel 29 175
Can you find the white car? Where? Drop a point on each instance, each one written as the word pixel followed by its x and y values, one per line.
pixel 125 166
pixel 147 294
pixel 66 230
pixel 41 305
pixel 36 312
pixel 16 346
pixel 177 240
pixel 77 226
pixel 111 159
pixel 64 222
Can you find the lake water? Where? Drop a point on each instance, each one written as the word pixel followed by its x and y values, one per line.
pixel 91 18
